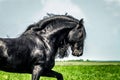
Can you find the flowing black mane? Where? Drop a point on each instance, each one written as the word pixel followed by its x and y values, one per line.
pixel 52 18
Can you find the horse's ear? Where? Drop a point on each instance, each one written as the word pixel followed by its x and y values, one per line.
pixel 81 21
pixel 80 24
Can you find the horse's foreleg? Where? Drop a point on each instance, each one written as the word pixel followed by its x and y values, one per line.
pixel 37 71
pixel 54 74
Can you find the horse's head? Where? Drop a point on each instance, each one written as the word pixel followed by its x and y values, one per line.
pixel 75 35
pixel 76 39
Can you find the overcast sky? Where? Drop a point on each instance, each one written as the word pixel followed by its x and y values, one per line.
pixel 101 20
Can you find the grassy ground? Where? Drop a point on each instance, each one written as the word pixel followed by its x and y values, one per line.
pixel 87 63
pixel 76 71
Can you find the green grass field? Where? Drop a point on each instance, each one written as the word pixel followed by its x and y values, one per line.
pixel 76 71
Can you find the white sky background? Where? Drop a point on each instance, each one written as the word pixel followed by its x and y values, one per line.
pixel 101 22
pixel 60 7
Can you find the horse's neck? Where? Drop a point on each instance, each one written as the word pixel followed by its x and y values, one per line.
pixel 57 35
pixel 52 39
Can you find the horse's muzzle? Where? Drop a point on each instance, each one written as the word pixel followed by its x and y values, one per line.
pixel 77 53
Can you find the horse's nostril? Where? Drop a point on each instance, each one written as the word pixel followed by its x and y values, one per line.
pixel 80 53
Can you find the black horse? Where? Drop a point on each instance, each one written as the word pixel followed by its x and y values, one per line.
pixel 35 50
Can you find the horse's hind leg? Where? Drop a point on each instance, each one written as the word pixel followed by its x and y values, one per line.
pixel 54 74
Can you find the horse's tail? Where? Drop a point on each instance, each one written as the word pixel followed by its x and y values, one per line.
pixel 3 56
pixel 0 48
pixel 3 50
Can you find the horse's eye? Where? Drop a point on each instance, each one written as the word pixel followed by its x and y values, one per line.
pixel 78 27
